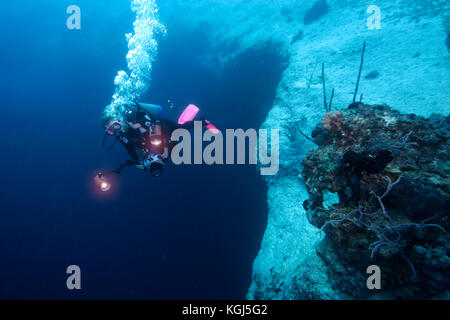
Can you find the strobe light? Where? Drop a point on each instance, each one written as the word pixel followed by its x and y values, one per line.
pixel 156 135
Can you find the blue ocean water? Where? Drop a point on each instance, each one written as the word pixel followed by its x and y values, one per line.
pixel 192 234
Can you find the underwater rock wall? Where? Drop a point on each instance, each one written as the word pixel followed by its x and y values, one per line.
pixel 407 66
pixel 337 40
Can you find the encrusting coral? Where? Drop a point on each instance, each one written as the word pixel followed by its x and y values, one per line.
pixel 391 174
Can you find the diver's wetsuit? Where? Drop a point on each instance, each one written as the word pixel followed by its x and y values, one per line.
pixel 136 136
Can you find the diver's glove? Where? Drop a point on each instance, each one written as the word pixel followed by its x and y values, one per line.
pixel 145 165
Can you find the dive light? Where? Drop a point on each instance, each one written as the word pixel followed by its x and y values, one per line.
pixel 101 182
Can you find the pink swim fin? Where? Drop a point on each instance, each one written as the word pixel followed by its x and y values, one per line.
pixel 188 114
pixel 211 127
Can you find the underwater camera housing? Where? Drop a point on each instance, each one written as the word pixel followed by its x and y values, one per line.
pixel 156 167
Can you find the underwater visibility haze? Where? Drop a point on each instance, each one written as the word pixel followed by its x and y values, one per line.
pixel 355 96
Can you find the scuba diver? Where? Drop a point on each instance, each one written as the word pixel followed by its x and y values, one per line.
pixel 145 134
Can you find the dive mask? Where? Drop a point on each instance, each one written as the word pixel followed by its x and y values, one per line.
pixel 113 127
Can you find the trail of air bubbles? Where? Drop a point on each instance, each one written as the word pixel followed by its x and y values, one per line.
pixel 142 50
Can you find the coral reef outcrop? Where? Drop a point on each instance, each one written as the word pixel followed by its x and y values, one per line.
pixel 391 174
